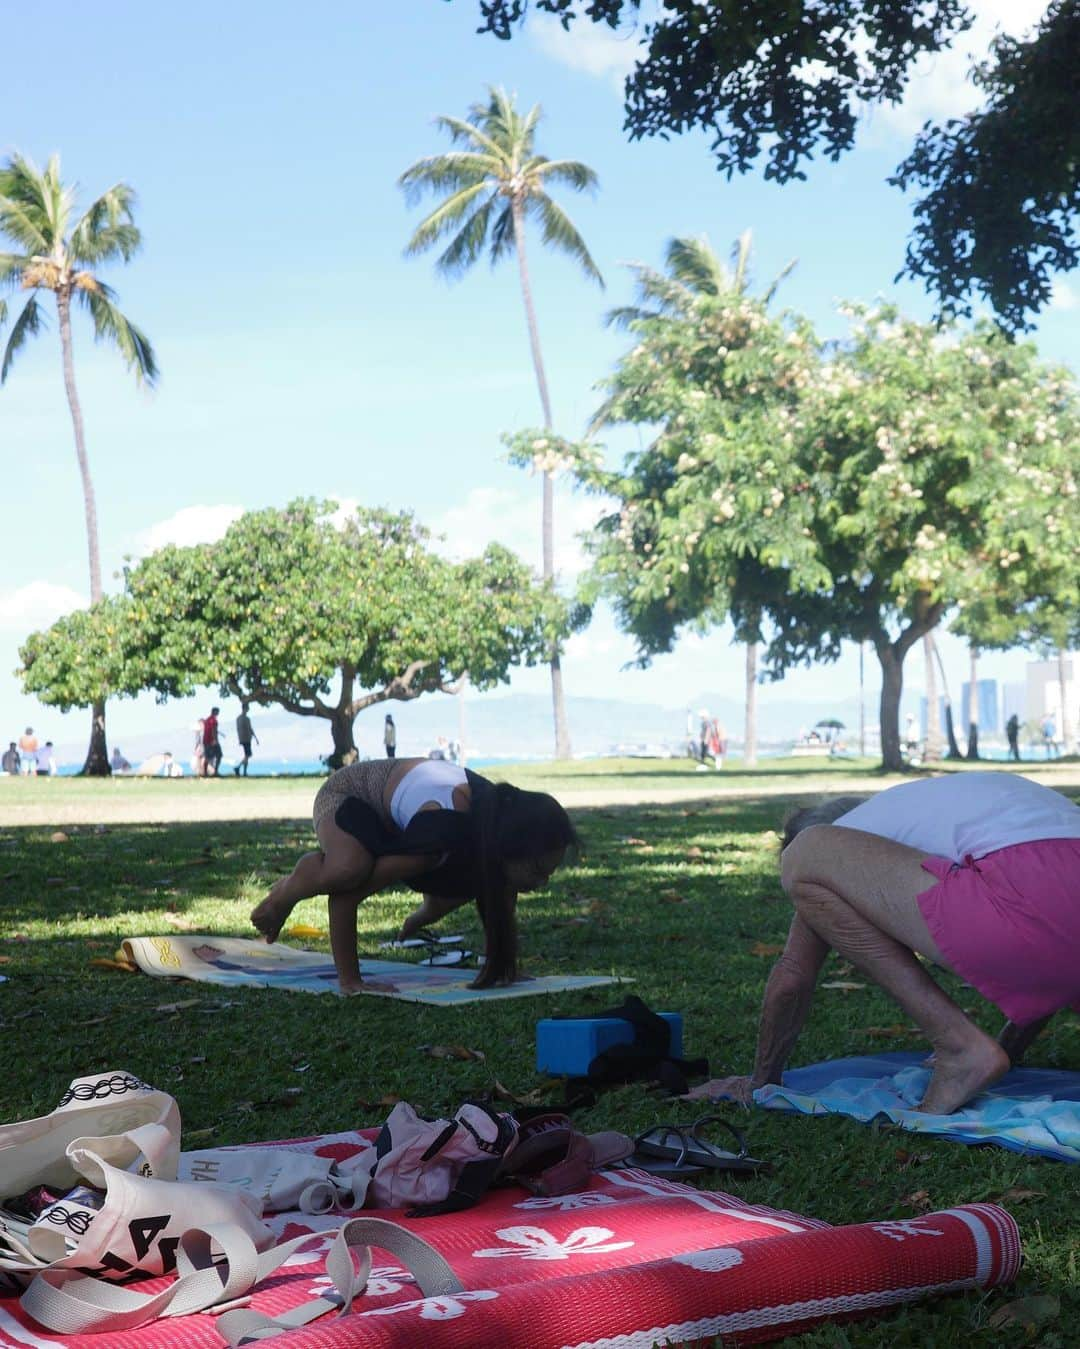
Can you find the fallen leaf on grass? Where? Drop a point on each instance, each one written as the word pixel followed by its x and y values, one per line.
pixel 1029 1312
pixel 451 1052
pixel 766 948
pixel 304 930
pixel 538 1096
pixel 635 842
pixel 53 881
pixel 18 936
pixel 844 985
pixel 5 960
pixel 672 897
pixel 907 1159
pixel 387 1100
pixel 58 837
pixel 107 963
pixel 171 1008
pixel 197 1135
pixel 892 1032
pixel 93 1021
pixel 918 1199
pixel 1017 1194
pixel 695 854
pixel 182 924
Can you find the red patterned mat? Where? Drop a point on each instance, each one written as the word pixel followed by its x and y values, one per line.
pixel 631 1262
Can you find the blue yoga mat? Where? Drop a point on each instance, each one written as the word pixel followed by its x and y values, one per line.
pixel 1031 1110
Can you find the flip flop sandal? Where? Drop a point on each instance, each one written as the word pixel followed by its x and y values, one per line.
pixel 663 1151
pixel 672 1150
pixel 440 958
pixel 412 943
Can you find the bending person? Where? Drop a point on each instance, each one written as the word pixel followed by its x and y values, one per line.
pixel 1003 913
pixel 432 826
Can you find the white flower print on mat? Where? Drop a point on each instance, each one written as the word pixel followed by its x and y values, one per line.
pixel 444 1308
pixel 562 1202
pixel 536 1243
pixel 711 1262
pixel 382 1281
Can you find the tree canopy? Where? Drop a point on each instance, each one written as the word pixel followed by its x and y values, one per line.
pixel 320 615
pixel 782 82
pixel 856 493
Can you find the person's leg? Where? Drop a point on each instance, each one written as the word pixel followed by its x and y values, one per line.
pixel 858 892
pixel 341 864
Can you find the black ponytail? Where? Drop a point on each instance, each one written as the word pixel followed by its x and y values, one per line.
pixel 510 825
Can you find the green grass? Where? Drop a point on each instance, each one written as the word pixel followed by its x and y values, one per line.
pixel 682 924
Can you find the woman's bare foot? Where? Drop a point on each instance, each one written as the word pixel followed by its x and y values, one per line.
pixel 349 989
pixel 958 1075
pixel 270 915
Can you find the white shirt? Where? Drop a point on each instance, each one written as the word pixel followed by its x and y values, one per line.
pixel 966 814
pixel 432 780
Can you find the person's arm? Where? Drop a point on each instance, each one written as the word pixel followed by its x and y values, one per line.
pixel 789 994
pixel 1017 1040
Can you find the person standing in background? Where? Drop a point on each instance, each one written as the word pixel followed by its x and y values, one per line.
pixel 46 759
pixel 390 737
pixel 10 761
pixel 244 735
pixel 211 738
pixel 28 750
pixel 1012 734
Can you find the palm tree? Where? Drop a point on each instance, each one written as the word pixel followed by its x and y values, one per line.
pixel 489 190
pixel 694 276
pixel 56 252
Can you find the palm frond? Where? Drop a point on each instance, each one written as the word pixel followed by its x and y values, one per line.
pixel 23 217
pixel 449 172
pixel 445 218
pixel 502 234
pixel 569 171
pixel 461 130
pixel 107 229
pixel 664 293
pixel 112 326
pixel 774 284
pixel 561 231
pixel 624 315
pixel 692 261
pixel 29 322
pixel 11 269
pixel 741 250
pixel 468 243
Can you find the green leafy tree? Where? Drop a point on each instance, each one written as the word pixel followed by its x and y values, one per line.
pixel 489 190
pixel 780 82
pixel 696 275
pixel 718 496
pixel 319 615
pixel 58 253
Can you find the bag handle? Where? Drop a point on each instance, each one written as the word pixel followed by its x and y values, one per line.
pixel 71 1303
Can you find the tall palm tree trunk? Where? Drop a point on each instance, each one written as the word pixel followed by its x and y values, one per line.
pixel 750 725
pixel 1066 720
pixel 973 704
pixel 547 523
pixel 97 755
pixel 932 749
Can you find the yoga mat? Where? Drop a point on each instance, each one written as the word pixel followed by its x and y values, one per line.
pixel 240 962
pixel 630 1262
pixel 1031 1110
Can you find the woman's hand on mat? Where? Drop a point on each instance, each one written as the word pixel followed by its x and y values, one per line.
pixel 737 1089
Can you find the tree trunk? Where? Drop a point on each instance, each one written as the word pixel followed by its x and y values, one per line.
pixel 97 754
pixel 932 749
pixel 1066 720
pixel 892 686
pixel 547 524
pixel 862 703
pixel 950 727
pixel 750 730
pixel 341 728
pixel 973 705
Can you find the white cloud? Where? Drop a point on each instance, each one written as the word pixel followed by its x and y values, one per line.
pixel 591 48
pixel 939 87
pixel 37 605
pixel 191 525
pixel 1062 296
pixel 512 517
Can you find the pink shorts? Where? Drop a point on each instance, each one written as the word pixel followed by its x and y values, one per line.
pixel 1009 924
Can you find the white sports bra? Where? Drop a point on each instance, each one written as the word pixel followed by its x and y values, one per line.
pixel 433 780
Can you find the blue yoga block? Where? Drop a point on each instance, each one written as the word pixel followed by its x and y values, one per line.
pixel 566 1048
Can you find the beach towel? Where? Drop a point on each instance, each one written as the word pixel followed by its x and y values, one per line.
pixel 631 1260
pixel 241 962
pixel 1032 1110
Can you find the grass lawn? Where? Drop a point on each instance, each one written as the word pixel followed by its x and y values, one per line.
pixel 684 913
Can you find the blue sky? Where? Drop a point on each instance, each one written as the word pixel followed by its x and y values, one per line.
pixel 301 353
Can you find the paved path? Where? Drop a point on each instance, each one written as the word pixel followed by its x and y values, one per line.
pixel 59 801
